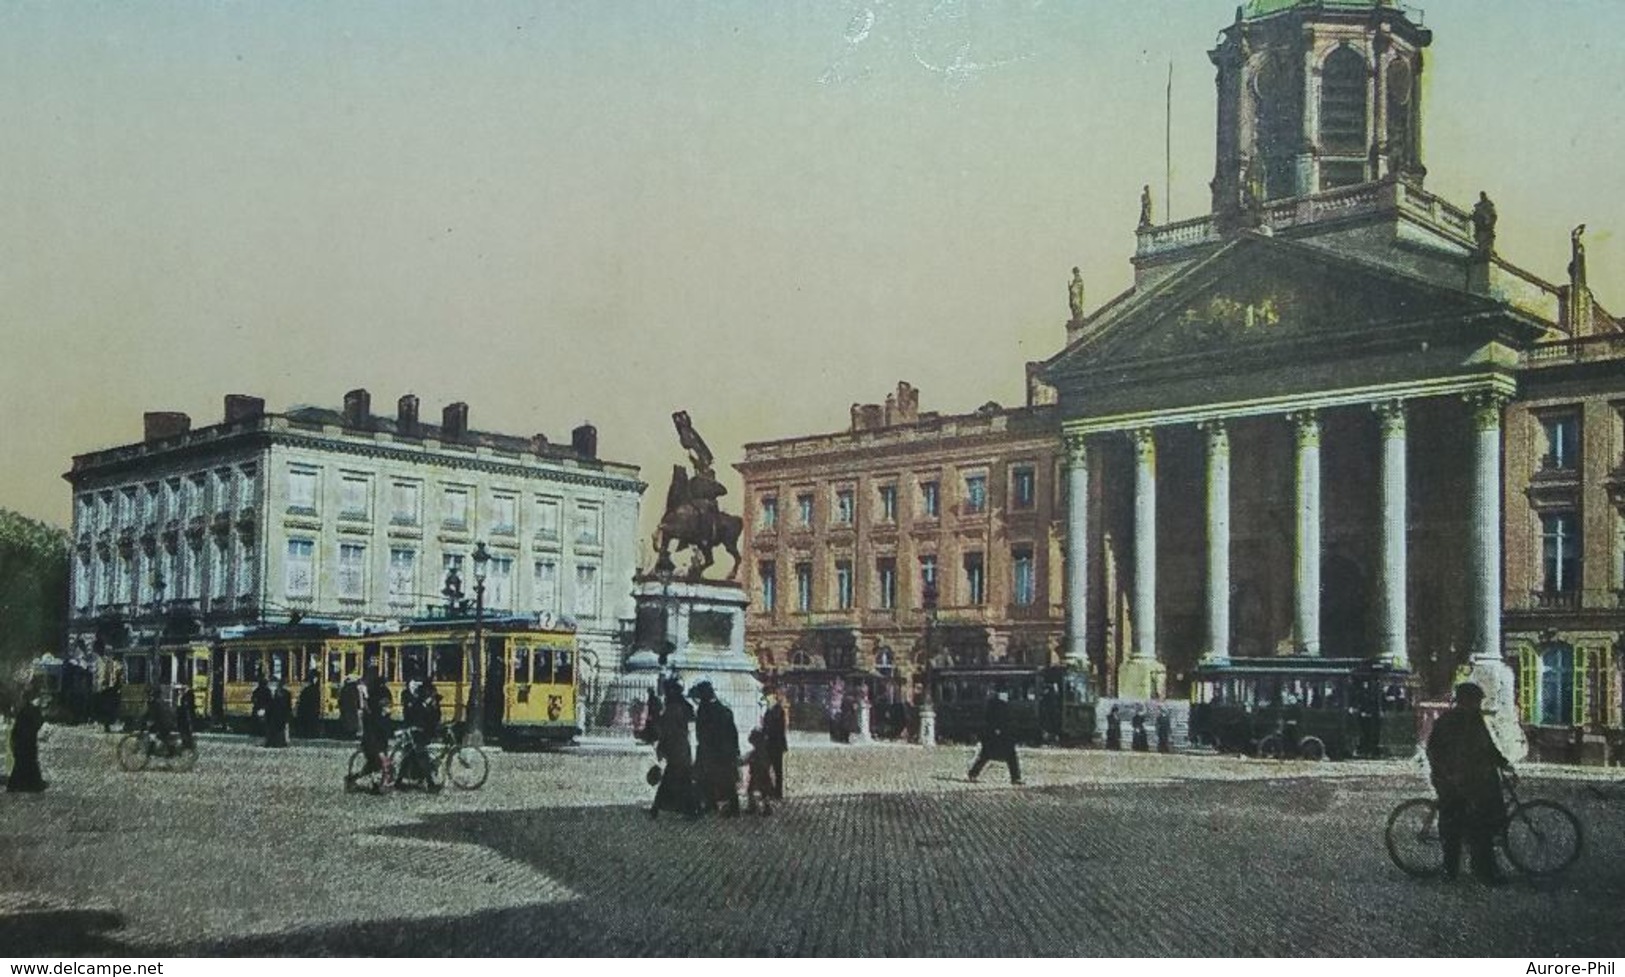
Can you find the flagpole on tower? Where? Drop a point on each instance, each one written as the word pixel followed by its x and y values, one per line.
pixel 1168 150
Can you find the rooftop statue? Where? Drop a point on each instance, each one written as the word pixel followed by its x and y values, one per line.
pixel 692 517
pixel 1074 292
pixel 1484 219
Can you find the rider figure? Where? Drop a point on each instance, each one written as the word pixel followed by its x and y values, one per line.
pixel 160 717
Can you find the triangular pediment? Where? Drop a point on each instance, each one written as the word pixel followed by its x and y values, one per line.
pixel 1259 294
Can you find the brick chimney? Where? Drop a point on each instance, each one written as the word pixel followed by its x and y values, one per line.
pixel 241 407
pixel 538 444
pixel 159 424
pixel 454 421
pixel 584 441
pixel 357 408
pixel 406 416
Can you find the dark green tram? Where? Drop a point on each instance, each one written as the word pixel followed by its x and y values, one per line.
pixel 1047 705
pixel 1304 707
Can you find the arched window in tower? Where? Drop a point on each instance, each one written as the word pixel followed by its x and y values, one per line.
pixel 1343 92
pixel 1398 84
pixel 1278 131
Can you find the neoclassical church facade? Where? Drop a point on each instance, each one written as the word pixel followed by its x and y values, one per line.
pixel 1331 417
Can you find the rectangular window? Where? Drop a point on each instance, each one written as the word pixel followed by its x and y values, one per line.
pixel 888 503
pixel 770 512
pixel 149 503
pixel 845 508
pixel 499 583
pixel 355 496
pixel 1023 488
pixel 589 525
pixel 587 592
pixel 306 503
pixel 172 499
pixel 1562 442
pixel 1023 589
pixel 246 486
pixel 767 573
pixel 194 573
pixel 504 514
pixel 547 518
pixel 299 569
pixel 454 507
pixel 405 503
pixel 218 586
pixel 126 507
pixel 928 574
pixel 803 587
pixel 352 571
pixel 975 493
pixel 222 490
pixel 84 516
pixel 930 500
pixel 81 582
pixel 546 583
pixel 886 582
pixel 301 491
pixel 804 510
pixel 245 567
pixel 975 582
pixel 843 584
pixel 1560 552
pixel 403 576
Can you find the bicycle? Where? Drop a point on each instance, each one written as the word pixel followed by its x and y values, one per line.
pixel 139 748
pixel 464 764
pixel 1538 837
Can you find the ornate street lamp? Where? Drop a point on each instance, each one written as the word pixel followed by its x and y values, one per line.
pixel 158 588
pixel 928 708
pixel 476 697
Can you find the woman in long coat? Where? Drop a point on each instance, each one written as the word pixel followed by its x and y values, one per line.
pixel 277 714
pixel 25 730
pixel 716 757
pixel 676 791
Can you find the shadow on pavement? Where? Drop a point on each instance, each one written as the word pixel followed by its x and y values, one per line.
pixel 58 931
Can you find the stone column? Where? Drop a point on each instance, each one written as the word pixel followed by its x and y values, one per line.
pixel 1077 550
pixel 1306 567
pixel 1141 676
pixel 1489 669
pixel 1218 541
pixel 1391 415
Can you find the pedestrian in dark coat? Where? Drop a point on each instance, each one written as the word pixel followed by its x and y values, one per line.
pixel 25 730
pixel 309 709
pixel 1114 730
pixel 1142 743
pixel 350 707
pixel 676 792
pixel 277 713
pixel 1165 732
pixel 373 701
pixel 107 704
pixel 1466 766
pixel 776 733
pixel 186 717
pixel 759 775
pixel 997 741
pixel 260 702
pixel 716 750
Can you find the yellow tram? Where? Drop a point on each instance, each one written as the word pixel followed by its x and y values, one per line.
pixel 170 666
pixel 530 678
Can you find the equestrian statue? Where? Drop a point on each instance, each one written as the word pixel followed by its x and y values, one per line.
pixel 693 518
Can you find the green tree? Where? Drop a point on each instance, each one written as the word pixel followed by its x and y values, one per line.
pixel 33 590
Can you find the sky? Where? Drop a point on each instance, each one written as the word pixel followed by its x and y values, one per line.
pixel 758 211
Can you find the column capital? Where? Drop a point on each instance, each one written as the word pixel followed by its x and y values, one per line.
pixel 1144 440
pixel 1077 449
pixel 1486 406
pixel 1391 415
pixel 1217 430
pixel 1307 423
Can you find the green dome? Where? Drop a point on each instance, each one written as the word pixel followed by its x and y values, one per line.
pixel 1263 8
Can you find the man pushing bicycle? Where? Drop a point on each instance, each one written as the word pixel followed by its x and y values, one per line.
pixel 1466 771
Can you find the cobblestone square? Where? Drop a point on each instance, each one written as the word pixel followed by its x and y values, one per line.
pixel 880 850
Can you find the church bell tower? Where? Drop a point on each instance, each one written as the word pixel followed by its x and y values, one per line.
pixel 1316 95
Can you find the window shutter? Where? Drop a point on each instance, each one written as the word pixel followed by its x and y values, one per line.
pixel 1582 689
pixel 1528 684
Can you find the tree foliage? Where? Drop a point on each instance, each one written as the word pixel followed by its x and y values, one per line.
pixel 33 590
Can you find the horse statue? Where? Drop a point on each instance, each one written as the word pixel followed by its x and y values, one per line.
pixel 693 520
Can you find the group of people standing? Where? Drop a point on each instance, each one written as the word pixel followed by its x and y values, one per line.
pixel 705 778
pixel 1140 740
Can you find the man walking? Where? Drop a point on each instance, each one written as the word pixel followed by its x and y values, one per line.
pixel 997 741
pixel 1466 770
pixel 776 727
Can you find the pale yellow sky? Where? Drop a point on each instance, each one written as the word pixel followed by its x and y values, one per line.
pixel 760 212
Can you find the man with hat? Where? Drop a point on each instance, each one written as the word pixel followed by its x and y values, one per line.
pixel 1466 768
pixel 716 751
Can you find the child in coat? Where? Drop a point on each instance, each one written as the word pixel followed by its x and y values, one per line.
pixel 759 775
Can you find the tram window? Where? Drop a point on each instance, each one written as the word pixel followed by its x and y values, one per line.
pixel 414 662
pixel 448 663
pixel 371 657
pixel 352 663
pixel 544 664
pixel 135 670
pixel 563 674
pixel 279 666
pixel 391 661
pixel 521 665
pixel 200 668
pixel 166 669
pixel 313 661
pixel 253 667
pixel 335 668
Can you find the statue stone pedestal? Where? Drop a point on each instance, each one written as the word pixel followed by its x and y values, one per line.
pixel 703 624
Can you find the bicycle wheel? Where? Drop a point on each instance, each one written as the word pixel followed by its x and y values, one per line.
pixel 1311 748
pixel 185 758
pixel 467 768
pixel 360 776
pixel 1412 837
pixel 1542 838
pixel 132 752
pixel 1270 747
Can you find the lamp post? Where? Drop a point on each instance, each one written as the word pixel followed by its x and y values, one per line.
pixel 928 709
pixel 476 697
pixel 158 588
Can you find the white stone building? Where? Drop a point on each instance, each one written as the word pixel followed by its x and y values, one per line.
pixel 344 515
